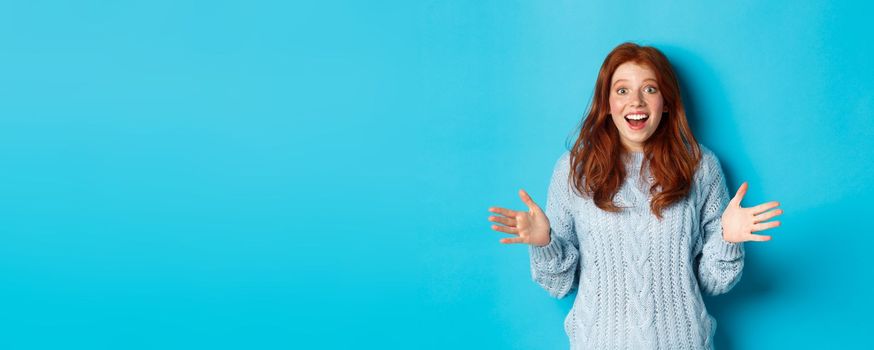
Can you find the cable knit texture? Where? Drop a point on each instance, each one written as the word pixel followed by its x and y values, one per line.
pixel 639 280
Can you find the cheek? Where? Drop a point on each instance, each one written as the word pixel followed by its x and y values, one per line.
pixel 656 121
pixel 615 105
pixel 657 102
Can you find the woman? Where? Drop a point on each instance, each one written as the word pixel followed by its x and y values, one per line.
pixel 638 217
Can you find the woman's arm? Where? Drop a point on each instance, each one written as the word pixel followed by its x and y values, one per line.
pixel 555 265
pixel 721 262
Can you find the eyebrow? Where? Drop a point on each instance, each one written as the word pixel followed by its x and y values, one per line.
pixel 615 82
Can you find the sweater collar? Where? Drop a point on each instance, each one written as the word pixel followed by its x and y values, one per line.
pixel 633 160
pixel 634 190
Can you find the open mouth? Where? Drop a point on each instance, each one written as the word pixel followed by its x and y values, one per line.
pixel 636 121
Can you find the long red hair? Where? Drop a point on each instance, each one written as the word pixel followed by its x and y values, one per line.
pixel 671 153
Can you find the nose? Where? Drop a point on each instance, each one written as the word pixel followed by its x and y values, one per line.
pixel 638 101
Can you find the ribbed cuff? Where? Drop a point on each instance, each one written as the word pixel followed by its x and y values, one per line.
pixel 725 250
pixel 728 251
pixel 549 251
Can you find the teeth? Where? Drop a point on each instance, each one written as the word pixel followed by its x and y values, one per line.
pixel 636 116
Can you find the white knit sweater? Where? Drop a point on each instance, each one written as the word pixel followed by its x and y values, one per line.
pixel 639 279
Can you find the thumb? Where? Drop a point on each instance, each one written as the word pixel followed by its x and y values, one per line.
pixel 527 199
pixel 741 192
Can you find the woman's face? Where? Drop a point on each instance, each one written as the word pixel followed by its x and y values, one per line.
pixel 636 104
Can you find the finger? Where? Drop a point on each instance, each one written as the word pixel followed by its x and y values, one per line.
pixel 759 238
pixel 741 192
pixel 504 220
pixel 765 206
pixel 505 229
pixel 503 211
pixel 767 215
pixel 512 240
pixel 765 226
pixel 527 199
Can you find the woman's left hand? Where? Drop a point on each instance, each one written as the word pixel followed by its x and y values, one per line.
pixel 739 223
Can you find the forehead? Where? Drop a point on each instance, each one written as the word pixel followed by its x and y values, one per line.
pixel 633 72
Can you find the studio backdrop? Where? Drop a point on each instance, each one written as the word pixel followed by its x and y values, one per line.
pixel 317 174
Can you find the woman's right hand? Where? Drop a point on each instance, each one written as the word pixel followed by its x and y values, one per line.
pixel 531 227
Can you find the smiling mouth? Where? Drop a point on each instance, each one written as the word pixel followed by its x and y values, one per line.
pixel 636 121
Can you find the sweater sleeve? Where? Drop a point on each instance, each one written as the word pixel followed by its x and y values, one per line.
pixel 720 262
pixel 555 265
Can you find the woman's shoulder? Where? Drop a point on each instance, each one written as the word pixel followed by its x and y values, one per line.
pixel 709 164
pixel 707 155
pixel 561 171
pixel 563 163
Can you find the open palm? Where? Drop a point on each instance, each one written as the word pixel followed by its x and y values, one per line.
pixel 739 223
pixel 531 227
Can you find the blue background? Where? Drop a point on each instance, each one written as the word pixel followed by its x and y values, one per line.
pixel 265 175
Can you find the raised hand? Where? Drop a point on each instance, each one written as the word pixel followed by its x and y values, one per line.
pixel 738 223
pixel 531 227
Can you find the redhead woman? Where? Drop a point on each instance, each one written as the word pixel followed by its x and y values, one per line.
pixel 638 217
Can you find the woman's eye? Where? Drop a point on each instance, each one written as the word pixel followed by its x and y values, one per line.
pixel 622 91
pixel 650 89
